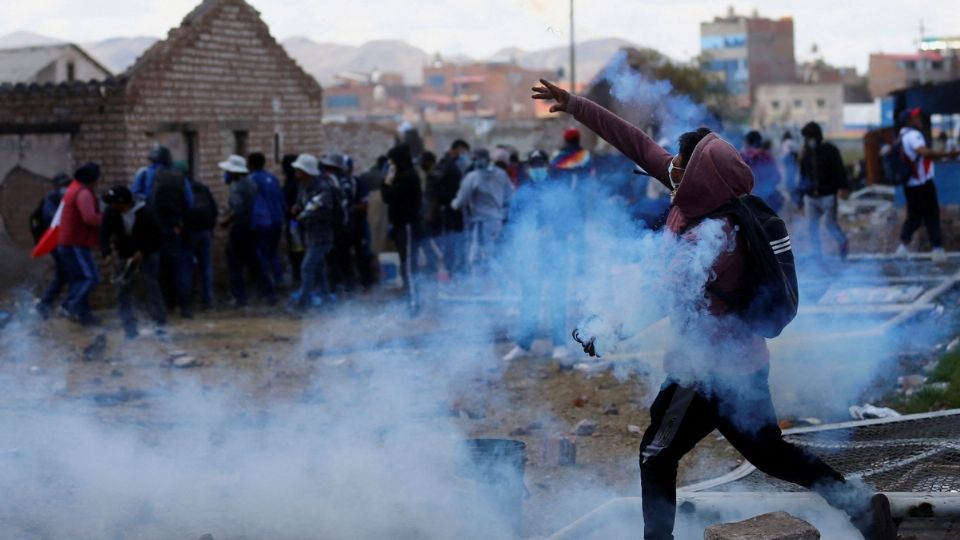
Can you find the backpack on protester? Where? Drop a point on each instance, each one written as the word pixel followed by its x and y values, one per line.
pixel 203 215
pixel 42 215
pixel 897 166
pixel 168 198
pixel 769 303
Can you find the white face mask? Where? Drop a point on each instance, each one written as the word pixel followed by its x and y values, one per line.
pixel 670 169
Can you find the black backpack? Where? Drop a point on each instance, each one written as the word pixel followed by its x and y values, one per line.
pixel 772 297
pixel 897 167
pixel 168 198
pixel 42 216
pixel 203 215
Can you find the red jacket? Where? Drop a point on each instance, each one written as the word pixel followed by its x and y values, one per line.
pixel 81 218
pixel 715 175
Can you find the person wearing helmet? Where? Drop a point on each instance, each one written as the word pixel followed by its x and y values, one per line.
pixel 539 233
pixel 130 245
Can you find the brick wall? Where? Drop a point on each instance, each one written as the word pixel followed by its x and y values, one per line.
pixel 216 75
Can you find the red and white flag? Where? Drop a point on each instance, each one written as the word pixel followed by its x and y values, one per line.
pixel 48 242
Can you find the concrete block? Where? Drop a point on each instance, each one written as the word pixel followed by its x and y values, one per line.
pixel 774 526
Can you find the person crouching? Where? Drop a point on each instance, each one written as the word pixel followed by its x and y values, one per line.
pixel 130 242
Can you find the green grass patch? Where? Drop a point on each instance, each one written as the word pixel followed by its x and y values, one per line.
pixel 929 399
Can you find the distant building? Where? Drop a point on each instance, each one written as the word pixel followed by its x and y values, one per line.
pixel 367 97
pixel 497 91
pixel 49 64
pixel 219 84
pixel 745 52
pixel 891 72
pixel 790 106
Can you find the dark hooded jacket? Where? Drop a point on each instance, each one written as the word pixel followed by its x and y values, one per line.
pixel 715 175
pixel 403 196
pixel 821 168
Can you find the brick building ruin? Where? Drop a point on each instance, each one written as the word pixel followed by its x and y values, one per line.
pixel 219 84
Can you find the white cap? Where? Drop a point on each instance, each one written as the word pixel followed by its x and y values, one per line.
pixel 234 164
pixel 307 163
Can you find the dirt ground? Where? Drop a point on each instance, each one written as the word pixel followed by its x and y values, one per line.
pixel 271 357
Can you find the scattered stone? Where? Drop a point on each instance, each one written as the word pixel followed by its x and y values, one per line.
pixel 116 374
pixel 611 410
pixel 560 450
pixel 634 430
pixel 581 401
pixel 520 432
pixel 185 362
pixel 535 425
pixel 94 351
pixel 585 428
pixel 313 354
pixel 36 370
pixel 207 536
pixel 911 382
pixel 244 354
pixel 123 395
pixel 953 344
pixel 937 386
pixel 774 526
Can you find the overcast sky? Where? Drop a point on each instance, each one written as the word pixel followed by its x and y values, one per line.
pixel 846 31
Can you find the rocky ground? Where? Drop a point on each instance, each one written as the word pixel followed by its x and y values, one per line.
pixel 269 361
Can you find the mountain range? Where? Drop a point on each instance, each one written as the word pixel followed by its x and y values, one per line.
pixel 325 60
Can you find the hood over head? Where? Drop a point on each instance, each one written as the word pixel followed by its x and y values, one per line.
pixel 715 175
pixel 813 131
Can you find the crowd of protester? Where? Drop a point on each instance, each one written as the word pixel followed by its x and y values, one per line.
pixel 308 238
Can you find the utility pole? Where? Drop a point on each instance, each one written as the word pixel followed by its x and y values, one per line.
pixel 573 54
pixel 922 66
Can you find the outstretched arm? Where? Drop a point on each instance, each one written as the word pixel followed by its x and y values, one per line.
pixel 624 136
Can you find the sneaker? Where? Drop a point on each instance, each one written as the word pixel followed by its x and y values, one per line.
pixel 877 522
pixel 560 353
pixel 902 251
pixel 516 352
pixel 938 255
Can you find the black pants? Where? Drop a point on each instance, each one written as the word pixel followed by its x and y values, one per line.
pixel 406 236
pixel 741 409
pixel 923 208
pixel 241 255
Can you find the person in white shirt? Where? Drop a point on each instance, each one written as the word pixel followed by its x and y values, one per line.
pixel 923 208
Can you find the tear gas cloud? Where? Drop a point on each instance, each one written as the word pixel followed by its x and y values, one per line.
pixel 366 450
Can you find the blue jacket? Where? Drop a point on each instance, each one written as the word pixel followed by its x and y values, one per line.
pixel 269 208
pixel 143 184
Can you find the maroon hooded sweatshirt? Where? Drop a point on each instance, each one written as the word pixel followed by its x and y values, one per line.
pixel 715 175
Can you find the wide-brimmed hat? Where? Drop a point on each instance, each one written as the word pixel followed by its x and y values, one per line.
pixel 234 164
pixel 307 163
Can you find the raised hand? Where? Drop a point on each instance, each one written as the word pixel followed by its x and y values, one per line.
pixel 550 91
